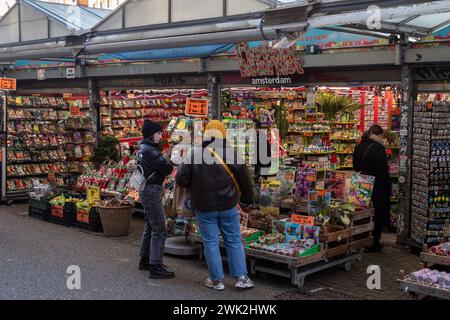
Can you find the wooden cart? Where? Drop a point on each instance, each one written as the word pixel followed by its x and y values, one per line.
pixel 296 269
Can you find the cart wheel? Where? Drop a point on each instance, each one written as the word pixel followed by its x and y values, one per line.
pixel 348 266
pixel 301 282
pixel 413 295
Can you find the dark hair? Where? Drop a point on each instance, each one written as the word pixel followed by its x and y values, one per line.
pixel 375 129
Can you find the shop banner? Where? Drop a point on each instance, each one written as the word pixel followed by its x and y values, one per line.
pixel 196 107
pixel 265 65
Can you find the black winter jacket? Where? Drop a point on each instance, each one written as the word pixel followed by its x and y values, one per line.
pixel 374 163
pixel 151 160
pixel 211 186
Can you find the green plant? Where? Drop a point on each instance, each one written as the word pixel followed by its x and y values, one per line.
pixel 334 106
pixel 106 149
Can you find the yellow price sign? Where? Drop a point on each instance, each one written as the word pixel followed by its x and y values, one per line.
pixel 93 194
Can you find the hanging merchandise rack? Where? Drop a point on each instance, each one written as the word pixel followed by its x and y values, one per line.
pixel 45 135
pixel 430 168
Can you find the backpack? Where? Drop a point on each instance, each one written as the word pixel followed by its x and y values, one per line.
pixel 138 180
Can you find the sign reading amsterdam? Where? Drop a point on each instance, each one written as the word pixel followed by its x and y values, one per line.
pixel 7 84
pixel 196 107
pixel 268 66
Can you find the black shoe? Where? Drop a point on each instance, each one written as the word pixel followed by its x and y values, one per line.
pixel 374 248
pixel 159 271
pixel 144 264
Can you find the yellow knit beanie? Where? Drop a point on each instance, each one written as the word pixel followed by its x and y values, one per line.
pixel 215 129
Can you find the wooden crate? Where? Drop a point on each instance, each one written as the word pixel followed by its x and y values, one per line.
pixel 429 259
pixel 353 238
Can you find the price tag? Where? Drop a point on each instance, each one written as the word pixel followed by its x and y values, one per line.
pixel 8 84
pixel 304 220
pixel 197 107
pixel 93 194
pixel 75 111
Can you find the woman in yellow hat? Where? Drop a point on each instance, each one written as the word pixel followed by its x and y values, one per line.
pixel 218 185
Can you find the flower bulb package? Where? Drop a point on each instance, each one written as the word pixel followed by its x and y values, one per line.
pixel 361 190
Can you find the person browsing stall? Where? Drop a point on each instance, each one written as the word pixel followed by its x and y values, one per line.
pixel 218 186
pixel 156 169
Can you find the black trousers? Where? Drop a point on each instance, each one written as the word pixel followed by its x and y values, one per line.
pixel 377 230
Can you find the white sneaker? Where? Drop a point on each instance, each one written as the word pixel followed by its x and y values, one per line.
pixel 244 282
pixel 216 285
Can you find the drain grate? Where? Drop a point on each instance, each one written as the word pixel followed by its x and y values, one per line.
pixel 315 294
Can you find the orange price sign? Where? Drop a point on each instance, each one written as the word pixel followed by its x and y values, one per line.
pixel 75 111
pixel 7 84
pixel 305 220
pixel 197 107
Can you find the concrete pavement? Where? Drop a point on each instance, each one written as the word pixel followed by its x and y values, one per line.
pixel 34 256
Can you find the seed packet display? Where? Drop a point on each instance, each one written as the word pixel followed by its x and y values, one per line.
pixel 270 197
pixel 293 231
pixel 286 175
pixel 335 184
pixel 318 201
pixel 306 180
pixel 279 226
pixel 361 190
pixel 311 232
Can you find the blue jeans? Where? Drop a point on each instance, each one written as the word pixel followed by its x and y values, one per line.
pixel 154 237
pixel 228 222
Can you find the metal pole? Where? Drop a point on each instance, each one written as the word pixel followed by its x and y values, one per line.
pixel 406 133
pixel 94 107
pixel 214 96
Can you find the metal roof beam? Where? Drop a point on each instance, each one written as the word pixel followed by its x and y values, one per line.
pixel 352 5
pixel 392 28
pixel 387 13
pixel 359 32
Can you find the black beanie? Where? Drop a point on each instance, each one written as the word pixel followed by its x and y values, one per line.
pixel 150 128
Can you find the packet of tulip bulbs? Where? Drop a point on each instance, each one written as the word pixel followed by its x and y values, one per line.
pixel 361 190
pixel 335 183
pixel 270 197
pixel 306 180
pixel 286 175
pixel 293 231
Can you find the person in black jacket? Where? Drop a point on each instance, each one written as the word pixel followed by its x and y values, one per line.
pixel 156 168
pixel 370 158
pixel 214 198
